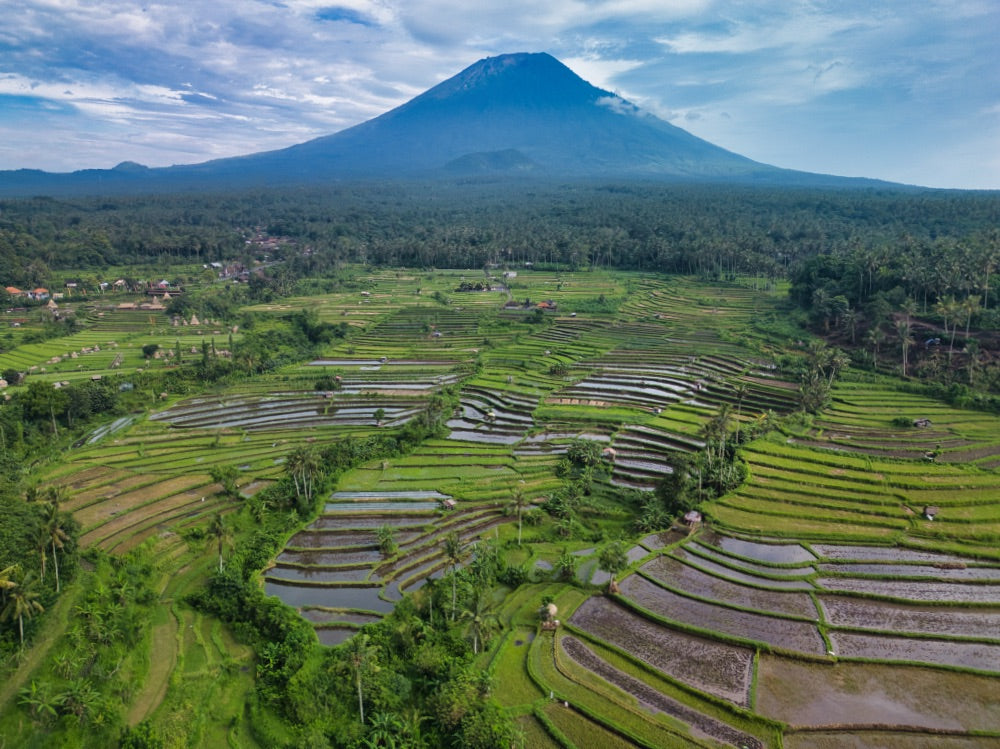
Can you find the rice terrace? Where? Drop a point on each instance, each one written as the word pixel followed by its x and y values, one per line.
pixel 530 503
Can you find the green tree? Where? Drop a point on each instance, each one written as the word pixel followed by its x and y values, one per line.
pixel 482 619
pixel 455 553
pixel 386 537
pixel 520 502
pixel 226 476
pixel 360 654
pixel 54 529
pixel 612 559
pixel 22 601
pixel 219 530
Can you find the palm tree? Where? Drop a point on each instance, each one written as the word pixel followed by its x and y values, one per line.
pixel 519 502
pixel 481 618
pixel 969 308
pixel 220 531
pixel 905 339
pixel 875 337
pixel 6 575
pixel 303 465
pixel 741 391
pixel 22 601
pixel 360 653
pixel 456 554
pixel 55 533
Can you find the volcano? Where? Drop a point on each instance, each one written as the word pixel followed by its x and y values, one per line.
pixel 515 114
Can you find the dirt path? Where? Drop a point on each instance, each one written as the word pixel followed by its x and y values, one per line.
pixel 53 629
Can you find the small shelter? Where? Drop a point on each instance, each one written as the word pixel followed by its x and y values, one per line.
pixel 692 518
pixel 930 512
pixel 609 453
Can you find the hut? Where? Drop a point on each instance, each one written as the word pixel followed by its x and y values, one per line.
pixel 609 453
pixel 922 423
pixel 448 504
pixel 930 512
pixel 692 519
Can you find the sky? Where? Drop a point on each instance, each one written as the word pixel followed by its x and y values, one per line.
pixel 903 90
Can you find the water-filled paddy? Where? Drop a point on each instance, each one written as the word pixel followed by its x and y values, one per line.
pixel 320 574
pixel 329 596
pixel 867 694
pixel 330 558
pixel 754 568
pixel 762 552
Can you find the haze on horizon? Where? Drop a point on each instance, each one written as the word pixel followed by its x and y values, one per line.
pixel 896 91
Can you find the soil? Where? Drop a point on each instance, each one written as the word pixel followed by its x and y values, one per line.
pixel 657 701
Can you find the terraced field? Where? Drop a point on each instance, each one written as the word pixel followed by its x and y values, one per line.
pixel 818 606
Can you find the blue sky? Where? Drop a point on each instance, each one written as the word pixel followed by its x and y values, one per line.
pixel 902 90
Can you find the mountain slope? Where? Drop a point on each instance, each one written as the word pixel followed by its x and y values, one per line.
pixel 523 113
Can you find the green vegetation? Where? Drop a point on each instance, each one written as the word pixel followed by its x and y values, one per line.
pixel 371 505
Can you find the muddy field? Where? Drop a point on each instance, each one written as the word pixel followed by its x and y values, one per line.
pixel 978 655
pixel 680 576
pixel 701 724
pixel 800 636
pixel 920 591
pixel 713 667
pixel 845 611
pixel 866 695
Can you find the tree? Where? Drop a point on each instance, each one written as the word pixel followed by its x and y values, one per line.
pixel 360 654
pixel 520 502
pixel 54 530
pixel 226 476
pixel 303 465
pixel 481 619
pixel 218 530
pixel 22 601
pixel 386 536
pixel 612 559
pixel 905 340
pixel 456 553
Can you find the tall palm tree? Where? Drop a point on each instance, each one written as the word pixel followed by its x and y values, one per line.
pixel 7 582
pixel 22 602
pixel 218 530
pixel 520 502
pixel 55 532
pixel 905 339
pixel 360 654
pixel 456 554
pixel 303 465
pixel 481 619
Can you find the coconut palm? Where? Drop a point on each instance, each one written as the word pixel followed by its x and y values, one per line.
pixel 22 601
pixel 360 656
pixel 520 502
pixel 218 530
pixel 303 465
pixel 482 620
pixel 53 528
pixel 456 554
pixel 905 339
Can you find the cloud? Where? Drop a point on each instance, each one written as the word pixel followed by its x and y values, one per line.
pixel 123 78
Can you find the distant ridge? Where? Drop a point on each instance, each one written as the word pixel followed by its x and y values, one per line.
pixel 516 114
